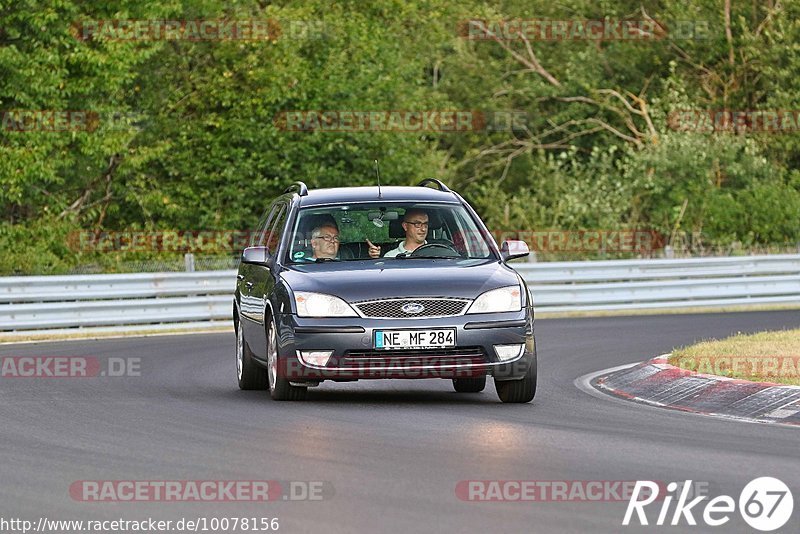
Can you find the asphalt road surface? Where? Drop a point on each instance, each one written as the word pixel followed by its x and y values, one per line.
pixel 389 454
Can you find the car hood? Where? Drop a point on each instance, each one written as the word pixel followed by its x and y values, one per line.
pixel 364 280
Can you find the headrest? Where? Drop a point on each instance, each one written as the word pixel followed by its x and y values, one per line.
pixel 434 220
pixel 396 228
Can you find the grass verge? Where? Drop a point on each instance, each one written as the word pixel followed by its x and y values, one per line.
pixel 762 357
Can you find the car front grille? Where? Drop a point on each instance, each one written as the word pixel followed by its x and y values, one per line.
pixel 393 308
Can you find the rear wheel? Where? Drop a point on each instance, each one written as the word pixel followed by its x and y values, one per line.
pixel 250 374
pixel 522 390
pixel 469 385
pixel 279 387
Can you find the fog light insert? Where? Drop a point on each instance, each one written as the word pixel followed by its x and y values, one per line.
pixel 316 358
pixel 509 352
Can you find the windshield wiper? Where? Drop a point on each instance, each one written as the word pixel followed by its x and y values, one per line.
pixel 323 260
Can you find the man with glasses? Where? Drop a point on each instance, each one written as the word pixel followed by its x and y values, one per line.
pixel 415 224
pixel 325 241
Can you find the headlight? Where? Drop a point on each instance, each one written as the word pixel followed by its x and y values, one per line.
pixel 321 305
pixel 503 299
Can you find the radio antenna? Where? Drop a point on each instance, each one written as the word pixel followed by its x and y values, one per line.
pixel 378 175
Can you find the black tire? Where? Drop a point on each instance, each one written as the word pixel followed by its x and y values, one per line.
pixel 469 385
pixel 279 388
pixel 518 391
pixel 249 373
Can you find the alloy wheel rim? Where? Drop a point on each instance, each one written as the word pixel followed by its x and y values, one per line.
pixel 272 356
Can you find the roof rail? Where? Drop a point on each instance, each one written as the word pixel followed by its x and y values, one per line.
pixel 301 188
pixel 439 183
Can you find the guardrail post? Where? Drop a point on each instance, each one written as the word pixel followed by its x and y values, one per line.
pixel 669 252
pixel 188 261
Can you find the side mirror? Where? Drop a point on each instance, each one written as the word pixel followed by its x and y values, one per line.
pixel 255 255
pixel 511 249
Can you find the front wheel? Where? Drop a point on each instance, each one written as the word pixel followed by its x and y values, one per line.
pixel 522 390
pixel 279 387
pixel 469 385
pixel 250 374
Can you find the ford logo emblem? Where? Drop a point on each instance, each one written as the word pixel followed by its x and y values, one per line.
pixel 413 308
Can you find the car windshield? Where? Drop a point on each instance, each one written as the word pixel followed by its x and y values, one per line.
pixel 395 231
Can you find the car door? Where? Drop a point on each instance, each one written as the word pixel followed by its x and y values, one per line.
pixel 245 278
pixel 263 280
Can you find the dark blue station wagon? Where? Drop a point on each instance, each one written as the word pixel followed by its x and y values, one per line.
pixel 395 282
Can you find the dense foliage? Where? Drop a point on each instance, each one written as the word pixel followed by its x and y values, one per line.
pixel 185 134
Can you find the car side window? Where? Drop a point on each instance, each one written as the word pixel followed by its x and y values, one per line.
pixel 272 240
pixel 467 238
pixel 266 219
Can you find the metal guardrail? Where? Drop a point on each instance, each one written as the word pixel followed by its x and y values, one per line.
pixel 48 302
pixel 653 284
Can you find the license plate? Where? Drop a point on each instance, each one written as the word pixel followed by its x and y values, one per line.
pixel 415 339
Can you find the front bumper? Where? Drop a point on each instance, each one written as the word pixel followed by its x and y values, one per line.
pixel 351 340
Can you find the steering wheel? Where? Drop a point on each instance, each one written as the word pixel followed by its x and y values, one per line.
pixel 441 249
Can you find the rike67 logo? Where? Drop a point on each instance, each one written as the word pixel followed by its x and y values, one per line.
pixel 765 503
